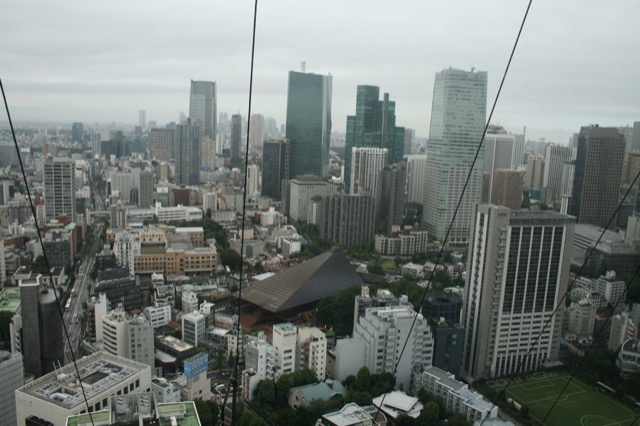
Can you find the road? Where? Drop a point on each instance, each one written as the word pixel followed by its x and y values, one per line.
pixel 81 294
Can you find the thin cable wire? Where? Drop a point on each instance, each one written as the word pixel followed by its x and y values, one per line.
pixel 234 378
pixel 44 252
pixel 569 287
pixel 575 370
pixel 464 189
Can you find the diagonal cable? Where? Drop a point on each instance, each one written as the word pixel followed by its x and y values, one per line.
pixel 44 252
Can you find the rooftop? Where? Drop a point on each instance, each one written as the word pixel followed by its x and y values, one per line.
pixel 175 344
pixel 98 371
pixel 10 299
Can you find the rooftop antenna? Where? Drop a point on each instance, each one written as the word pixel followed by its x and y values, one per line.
pixel 303 66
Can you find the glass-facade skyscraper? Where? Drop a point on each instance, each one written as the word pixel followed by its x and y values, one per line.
pixel 373 126
pixel 275 167
pixel 458 115
pixel 186 146
pixel 203 107
pixel 236 137
pixel 309 123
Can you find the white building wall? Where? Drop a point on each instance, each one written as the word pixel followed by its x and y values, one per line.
pixel 284 347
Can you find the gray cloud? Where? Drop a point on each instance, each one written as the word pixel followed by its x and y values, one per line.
pixel 102 61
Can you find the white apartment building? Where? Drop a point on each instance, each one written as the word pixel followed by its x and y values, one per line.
pixel 101 308
pixel 210 201
pixel 457 396
pixel 622 329
pixel 284 347
pixel 158 315
pixel 404 244
pixel 57 395
pixel 194 327
pixel 165 391
pixel 189 301
pixel 384 331
pixel 416 178
pixel 301 192
pixel 311 351
pixel 258 364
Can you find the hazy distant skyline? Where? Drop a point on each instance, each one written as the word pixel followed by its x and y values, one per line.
pixel 102 62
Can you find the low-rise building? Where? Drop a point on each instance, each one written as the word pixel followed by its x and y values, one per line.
pixel 629 356
pixel 405 243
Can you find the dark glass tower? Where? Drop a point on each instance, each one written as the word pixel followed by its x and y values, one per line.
pixel 309 123
pixel 598 175
pixel 236 137
pixel 373 126
pixel 275 167
pixel 186 145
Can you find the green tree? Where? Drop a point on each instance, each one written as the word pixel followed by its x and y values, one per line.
pixel 265 393
pixel 231 258
pixel 363 380
pixel 376 268
pixel 524 412
pixel 405 420
pixel 207 411
pixel 430 414
pixel 458 420
pixel 336 311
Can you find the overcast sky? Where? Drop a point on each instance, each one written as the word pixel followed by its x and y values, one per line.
pixel 578 61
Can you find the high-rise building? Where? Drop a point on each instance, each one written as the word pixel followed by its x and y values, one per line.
pixel 203 107
pixel 161 144
pixel 186 146
pixel 347 219
pixel 253 181
pixel 635 138
pixel 60 188
pixel 518 272
pixel 555 158
pixel 390 198
pixel 373 126
pixel 366 164
pixel 275 167
pixel 142 119
pixel 309 123
pixel 302 190
pixel 122 183
pixel 533 174
pixel 77 132
pixel 598 174
pixel 311 351
pixel 236 137
pixel 41 340
pixel 256 131
pixel 12 375
pixel 146 189
pixel 416 177
pixel 458 116
pixel 504 188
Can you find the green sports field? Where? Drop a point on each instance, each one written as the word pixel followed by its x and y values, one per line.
pixel 579 405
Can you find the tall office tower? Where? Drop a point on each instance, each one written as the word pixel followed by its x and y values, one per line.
pixel 416 177
pixel 635 138
pixel 568 173
pixel 518 151
pixel 236 137
pixel 373 126
pixel 203 108
pixel 275 167
pixel 41 340
pixel 161 144
pixel 60 188
pixel 208 152
pixel 347 220
pixel 128 337
pixel 458 116
pixel 186 147
pixel 409 137
pixel 533 174
pixel 366 164
pixel 12 375
pixel 598 174
pixel 555 157
pixel 518 272
pixel 309 123
pixel 390 198
pixel 253 181
pixel 77 132
pixel 256 131
pixel 146 188
pixel 386 331
pixel 122 183
pixel 209 202
pixel 284 348
pixel 142 119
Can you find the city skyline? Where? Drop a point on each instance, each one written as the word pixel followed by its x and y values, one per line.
pixel 556 82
